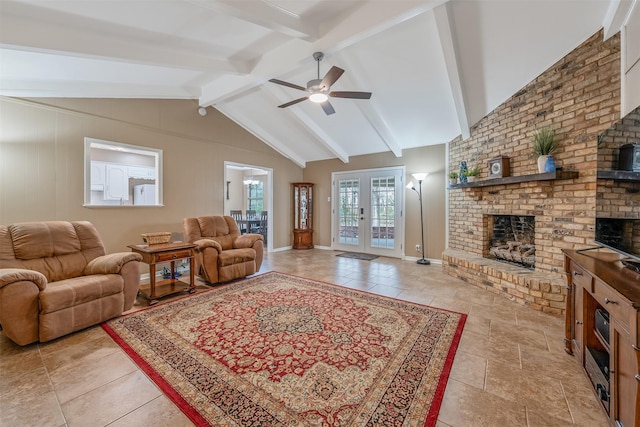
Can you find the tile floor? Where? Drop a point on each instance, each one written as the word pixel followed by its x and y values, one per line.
pixel 510 368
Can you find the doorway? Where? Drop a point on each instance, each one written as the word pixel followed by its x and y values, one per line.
pixel 367 211
pixel 249 190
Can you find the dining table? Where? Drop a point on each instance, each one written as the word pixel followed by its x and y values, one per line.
pixel 246 224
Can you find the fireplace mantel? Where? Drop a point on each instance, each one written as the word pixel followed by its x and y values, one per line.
pixel 549 176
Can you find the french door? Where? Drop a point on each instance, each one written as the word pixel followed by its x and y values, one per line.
pixel 367 211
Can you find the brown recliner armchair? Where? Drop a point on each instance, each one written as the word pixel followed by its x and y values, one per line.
pixel 56 279
pixel 222 253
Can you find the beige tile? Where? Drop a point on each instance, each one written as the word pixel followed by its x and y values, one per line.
pixel 110 402
pixel 466 406
pixel 160 412
pixel 583 405
pixel 387 291
pixel 451 303
pixel 538 392
pixel 83 353
pixel 17 363
pixel 473 295
pixel 37 409
pixel 519 334
pixel 505 313
pixel 551 364
pixel 72 339
pixel 538 419
pixel 19 386
pixel 490 348
pixel 73 380
pixel 479 325
pixel 527 317
pixel 416 296
pixel 469 369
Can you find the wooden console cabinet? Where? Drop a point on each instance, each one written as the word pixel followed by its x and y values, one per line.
pixel 599 285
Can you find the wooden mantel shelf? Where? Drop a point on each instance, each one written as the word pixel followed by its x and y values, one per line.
pixel 549 176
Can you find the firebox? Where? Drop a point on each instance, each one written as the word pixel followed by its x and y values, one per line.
pixel 512 239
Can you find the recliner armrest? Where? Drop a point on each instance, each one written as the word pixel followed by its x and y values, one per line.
pixel 246 240
pixel 111 263
pixel 207 243
pixel 12 275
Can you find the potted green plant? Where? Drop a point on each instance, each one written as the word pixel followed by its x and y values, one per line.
pixel 472 173
pixel 453 177
pixel 544 144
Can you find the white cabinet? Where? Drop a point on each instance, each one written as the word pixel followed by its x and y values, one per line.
pixel 113 179
pixel 116 182
pixel 142 172
pixel 97 176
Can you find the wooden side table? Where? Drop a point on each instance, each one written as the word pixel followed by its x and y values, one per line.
pixel 166 252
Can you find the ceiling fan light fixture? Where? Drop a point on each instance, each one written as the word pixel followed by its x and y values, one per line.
pixel 318 97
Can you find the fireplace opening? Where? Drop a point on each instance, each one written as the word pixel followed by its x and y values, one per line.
pixel 512 239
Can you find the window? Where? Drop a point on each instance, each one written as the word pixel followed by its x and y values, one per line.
pixel 119 174
pixel 255 199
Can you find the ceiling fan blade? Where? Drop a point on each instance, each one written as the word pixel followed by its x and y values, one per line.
pixel 327 107
pixel 291 85
pixel 332 75
pixel 350 94
pixel 295 101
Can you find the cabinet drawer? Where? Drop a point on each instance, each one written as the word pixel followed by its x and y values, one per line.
pixel 581 278
pixel 171 256
pixel 618 307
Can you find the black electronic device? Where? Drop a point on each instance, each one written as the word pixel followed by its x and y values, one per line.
pixel 629 159
pixel 602 324
pixel 596 362
pixel 618 234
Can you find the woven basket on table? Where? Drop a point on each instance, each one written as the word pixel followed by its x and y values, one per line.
pixel 156 238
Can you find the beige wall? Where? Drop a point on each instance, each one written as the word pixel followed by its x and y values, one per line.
pixel 431 159
pixel 42 158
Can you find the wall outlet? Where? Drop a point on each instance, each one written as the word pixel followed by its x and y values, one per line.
pixel 417 248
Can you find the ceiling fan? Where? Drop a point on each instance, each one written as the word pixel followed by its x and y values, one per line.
pixel 319 90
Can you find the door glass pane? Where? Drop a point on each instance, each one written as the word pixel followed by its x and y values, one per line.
pixel 349 193
pixel 383 203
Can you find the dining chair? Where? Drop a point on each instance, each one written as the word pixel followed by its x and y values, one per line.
pixel 262 228
pixel 237 215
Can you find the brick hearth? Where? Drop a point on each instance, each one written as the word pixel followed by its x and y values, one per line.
pixel 579 97
pixel 538 290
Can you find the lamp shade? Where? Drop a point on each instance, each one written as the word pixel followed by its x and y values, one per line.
pixel 420 176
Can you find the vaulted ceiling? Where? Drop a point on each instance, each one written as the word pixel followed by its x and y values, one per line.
pixel 434 67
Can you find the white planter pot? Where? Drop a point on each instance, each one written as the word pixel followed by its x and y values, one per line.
pixel 453 181
pixel 542 160
pixel 471 178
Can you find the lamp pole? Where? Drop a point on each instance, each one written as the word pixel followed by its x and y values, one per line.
pixel 420 177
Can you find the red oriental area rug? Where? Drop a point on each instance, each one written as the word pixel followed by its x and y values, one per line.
pixel 279 350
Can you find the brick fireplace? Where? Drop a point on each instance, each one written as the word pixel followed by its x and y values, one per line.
pixel 511 239
pixel 579 97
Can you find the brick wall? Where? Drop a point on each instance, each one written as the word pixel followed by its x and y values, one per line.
pixel 618 199
pixel 579 97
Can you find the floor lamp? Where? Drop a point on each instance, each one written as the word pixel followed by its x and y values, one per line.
pixel 420 177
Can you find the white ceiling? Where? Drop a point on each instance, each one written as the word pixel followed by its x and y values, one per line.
pixel 434 67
